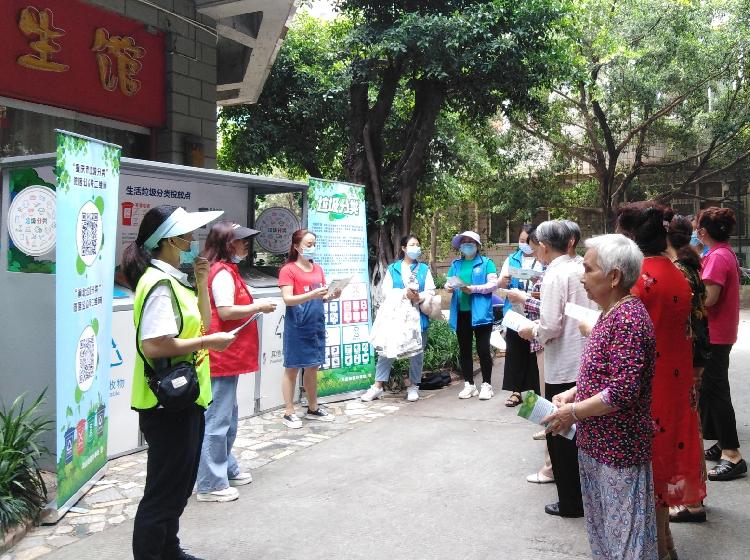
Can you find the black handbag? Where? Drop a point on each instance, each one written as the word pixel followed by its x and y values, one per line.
pixel 175 385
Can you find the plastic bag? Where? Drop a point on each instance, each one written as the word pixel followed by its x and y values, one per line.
pixel 397 330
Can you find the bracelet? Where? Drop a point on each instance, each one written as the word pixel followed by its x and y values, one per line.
pixel 573 412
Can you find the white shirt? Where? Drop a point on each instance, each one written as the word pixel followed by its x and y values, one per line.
pixel 161 316
pixel 429 281
pixel 222 288
pixel 563 342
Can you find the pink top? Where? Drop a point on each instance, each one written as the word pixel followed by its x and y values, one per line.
pixel 301 281
pixel 720 267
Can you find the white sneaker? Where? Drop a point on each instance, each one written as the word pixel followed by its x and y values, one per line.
pixel 292 421
pixel 227 495
pixel 469 390
pixel 371 394
pixel 486 392
pixel 241 479
pixel 412 393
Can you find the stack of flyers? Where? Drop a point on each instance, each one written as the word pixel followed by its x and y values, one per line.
pixel 455 282
pixel 582 314
pixel 515 321
pixel 534 408
pixel 252 319
pixel 524 273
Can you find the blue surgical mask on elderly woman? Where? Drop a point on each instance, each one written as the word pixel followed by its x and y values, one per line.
pixel 468 249
pixel 525 249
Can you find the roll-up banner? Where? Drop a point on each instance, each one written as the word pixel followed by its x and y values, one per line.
pixel 88 176
pixel 337 217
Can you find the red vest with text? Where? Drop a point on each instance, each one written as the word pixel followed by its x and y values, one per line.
pixel 242 354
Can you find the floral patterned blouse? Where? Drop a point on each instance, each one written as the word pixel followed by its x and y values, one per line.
pixel 618 362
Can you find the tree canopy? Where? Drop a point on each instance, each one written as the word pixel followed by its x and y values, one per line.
pixel 656 88
pixel 361 98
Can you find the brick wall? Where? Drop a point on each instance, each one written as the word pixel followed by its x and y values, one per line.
pixel 190 54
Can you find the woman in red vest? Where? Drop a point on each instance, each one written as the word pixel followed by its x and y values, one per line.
pixel 231 306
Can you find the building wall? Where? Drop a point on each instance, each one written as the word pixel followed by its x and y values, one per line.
pixel 190 53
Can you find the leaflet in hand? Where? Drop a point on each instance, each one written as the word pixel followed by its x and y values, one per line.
pixel 581 313
pixel 252 319
pixel 455 282
pixel 524 273
pixel 515 321
pixel 338 285
pixel 534 408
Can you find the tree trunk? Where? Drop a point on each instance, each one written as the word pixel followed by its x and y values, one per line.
pixel 428 101
pixel 433 240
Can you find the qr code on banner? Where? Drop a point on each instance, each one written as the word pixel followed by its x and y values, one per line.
pixel 89 233
pixel 86 359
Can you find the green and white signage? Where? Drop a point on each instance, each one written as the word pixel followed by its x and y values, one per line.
pixel 88 175
pixel 337 216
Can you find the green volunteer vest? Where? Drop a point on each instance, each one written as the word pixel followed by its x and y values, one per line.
pixel 143 398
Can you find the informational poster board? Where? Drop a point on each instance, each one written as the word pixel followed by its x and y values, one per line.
pixel 337 216
pixel 138 194
pixel 88 173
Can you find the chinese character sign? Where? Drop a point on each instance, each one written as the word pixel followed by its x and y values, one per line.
pixel 67 53
pixel 87 209
pixel 337 216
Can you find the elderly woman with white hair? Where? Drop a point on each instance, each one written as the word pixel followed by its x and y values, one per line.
pixel 611 405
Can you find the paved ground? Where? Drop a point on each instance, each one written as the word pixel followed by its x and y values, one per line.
pixel 440 478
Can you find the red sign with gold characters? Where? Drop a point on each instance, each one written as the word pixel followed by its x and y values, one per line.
pixel 66 53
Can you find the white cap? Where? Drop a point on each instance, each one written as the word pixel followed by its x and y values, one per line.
pixel 456 242
pixel 180 222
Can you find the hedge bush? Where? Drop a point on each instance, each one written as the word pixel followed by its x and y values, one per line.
pixel 441 353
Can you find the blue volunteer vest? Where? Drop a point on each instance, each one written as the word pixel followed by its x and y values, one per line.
pixel 481 304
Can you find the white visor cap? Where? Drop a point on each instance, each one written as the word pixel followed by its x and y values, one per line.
pixel 180 222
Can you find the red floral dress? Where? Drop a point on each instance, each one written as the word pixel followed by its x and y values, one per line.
pixel 677 447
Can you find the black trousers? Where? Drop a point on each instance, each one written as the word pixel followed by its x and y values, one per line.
pixel 564 456
pixel 717 412
pixel 464 332
pixel 174 449
pixel 521 372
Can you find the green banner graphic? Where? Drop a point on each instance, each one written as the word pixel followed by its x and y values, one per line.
pixel 337 216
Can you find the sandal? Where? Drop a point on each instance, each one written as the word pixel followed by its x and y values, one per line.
pixel 684 515
pixel 713 453
pixel 726 470
pixel 513 400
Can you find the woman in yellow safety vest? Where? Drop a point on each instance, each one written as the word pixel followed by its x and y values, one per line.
pixel 170 316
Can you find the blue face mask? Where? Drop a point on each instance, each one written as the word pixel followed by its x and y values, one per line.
pixel 308 253
pixel 413 252
pixel 468 249
pixel 694 241
pixel 188 257
pixel 236 259
pixel 525 249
